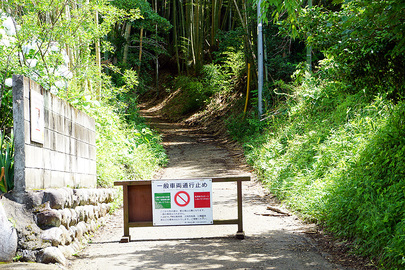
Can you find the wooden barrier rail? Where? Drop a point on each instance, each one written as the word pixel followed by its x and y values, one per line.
pixel 138 204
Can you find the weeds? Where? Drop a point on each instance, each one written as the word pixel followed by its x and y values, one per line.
pixel 6 163
pixel 338 160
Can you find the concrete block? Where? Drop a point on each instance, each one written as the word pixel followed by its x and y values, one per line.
pixel 73 146
pixel 27 132
pixel 52 140
pixel 67 144
pixel 46 157
pixel 47 143
pixel 57 179
pixel 27 113
pixel 60 142
pixel 35 87
pixel 33 157
pixel 67 163
pixel 69 127
pixel 81 165
pixel 88 181
pixel 47 100
pixel 52 120
pixel 58 161
pixel 56 104
pixel 92 152
pixel 34 178
pixel 82 149
pixel 46 118
pixel 79 132
pixel 74 115
pixel 58 123
pixel 73 164
pixel 77 180
pixel 47 179
pixel 92 139
pixel 79 119
pixel 92 124
pixel 68 112
pixel 26 88
pixel 93 167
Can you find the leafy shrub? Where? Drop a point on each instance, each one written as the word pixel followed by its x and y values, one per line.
pixel 338 159
pixel 6 163
pixel 368 204
pixel 124 152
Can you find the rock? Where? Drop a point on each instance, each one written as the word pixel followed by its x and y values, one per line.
pixel 8 237
pixel 69 197
pixel 73 220
pixel 93 196
pixel 67 251
pixel 82 196
pixel 81 229
pixel 56 197
pixel 89 210
pixel 103 209
pixel 65 235
pixel 93 226
pixel 35 199
pixel 49 218
pixel 66 215
pixel 54 236
pixel 80 213
pixel 27 255
pixel 51 255
pixel 73 232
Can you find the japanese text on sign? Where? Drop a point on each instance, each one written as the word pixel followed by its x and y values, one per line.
pixel 182 202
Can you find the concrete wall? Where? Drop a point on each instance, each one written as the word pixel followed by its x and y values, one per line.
pixel 57 147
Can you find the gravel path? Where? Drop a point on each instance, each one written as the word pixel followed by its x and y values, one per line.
pixel 273 240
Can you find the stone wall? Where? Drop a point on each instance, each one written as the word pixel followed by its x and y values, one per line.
pixel 54 224
pixel 54 143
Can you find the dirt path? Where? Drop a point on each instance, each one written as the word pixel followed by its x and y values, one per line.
pixel 273 241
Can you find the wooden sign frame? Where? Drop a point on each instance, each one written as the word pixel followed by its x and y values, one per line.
pixel 137 206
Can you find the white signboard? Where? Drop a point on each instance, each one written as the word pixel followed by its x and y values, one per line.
pixel 37 117
pixel 182 202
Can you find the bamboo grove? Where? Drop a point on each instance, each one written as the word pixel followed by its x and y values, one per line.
pixel 185 31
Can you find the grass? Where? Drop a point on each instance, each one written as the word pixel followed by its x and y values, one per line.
pixel 339 160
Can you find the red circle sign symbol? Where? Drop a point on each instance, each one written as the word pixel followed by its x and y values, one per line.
pixel 181 198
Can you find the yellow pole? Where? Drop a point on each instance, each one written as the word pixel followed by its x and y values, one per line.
pixel 247 91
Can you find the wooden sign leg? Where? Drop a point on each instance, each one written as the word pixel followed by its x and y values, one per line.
pixel 240 234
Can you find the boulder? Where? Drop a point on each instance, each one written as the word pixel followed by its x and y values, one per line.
pixel 53 235
pixel 66 215
pixel 8 238
pixel 51 255
pixel 57 198
pixel 74 217
pixel 49 218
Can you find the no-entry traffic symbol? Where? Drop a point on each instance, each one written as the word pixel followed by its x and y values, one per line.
pixel 182 198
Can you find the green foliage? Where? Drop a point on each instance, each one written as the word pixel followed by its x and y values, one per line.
pixel 6 109
pixel 366 42
pixel 338 159
pixel 242 127
pixel 194 95
pixel 124 152
pixel 368 204
pixel 6 163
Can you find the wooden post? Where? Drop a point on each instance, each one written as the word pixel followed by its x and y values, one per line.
pixel 127 237
pixel 240 234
